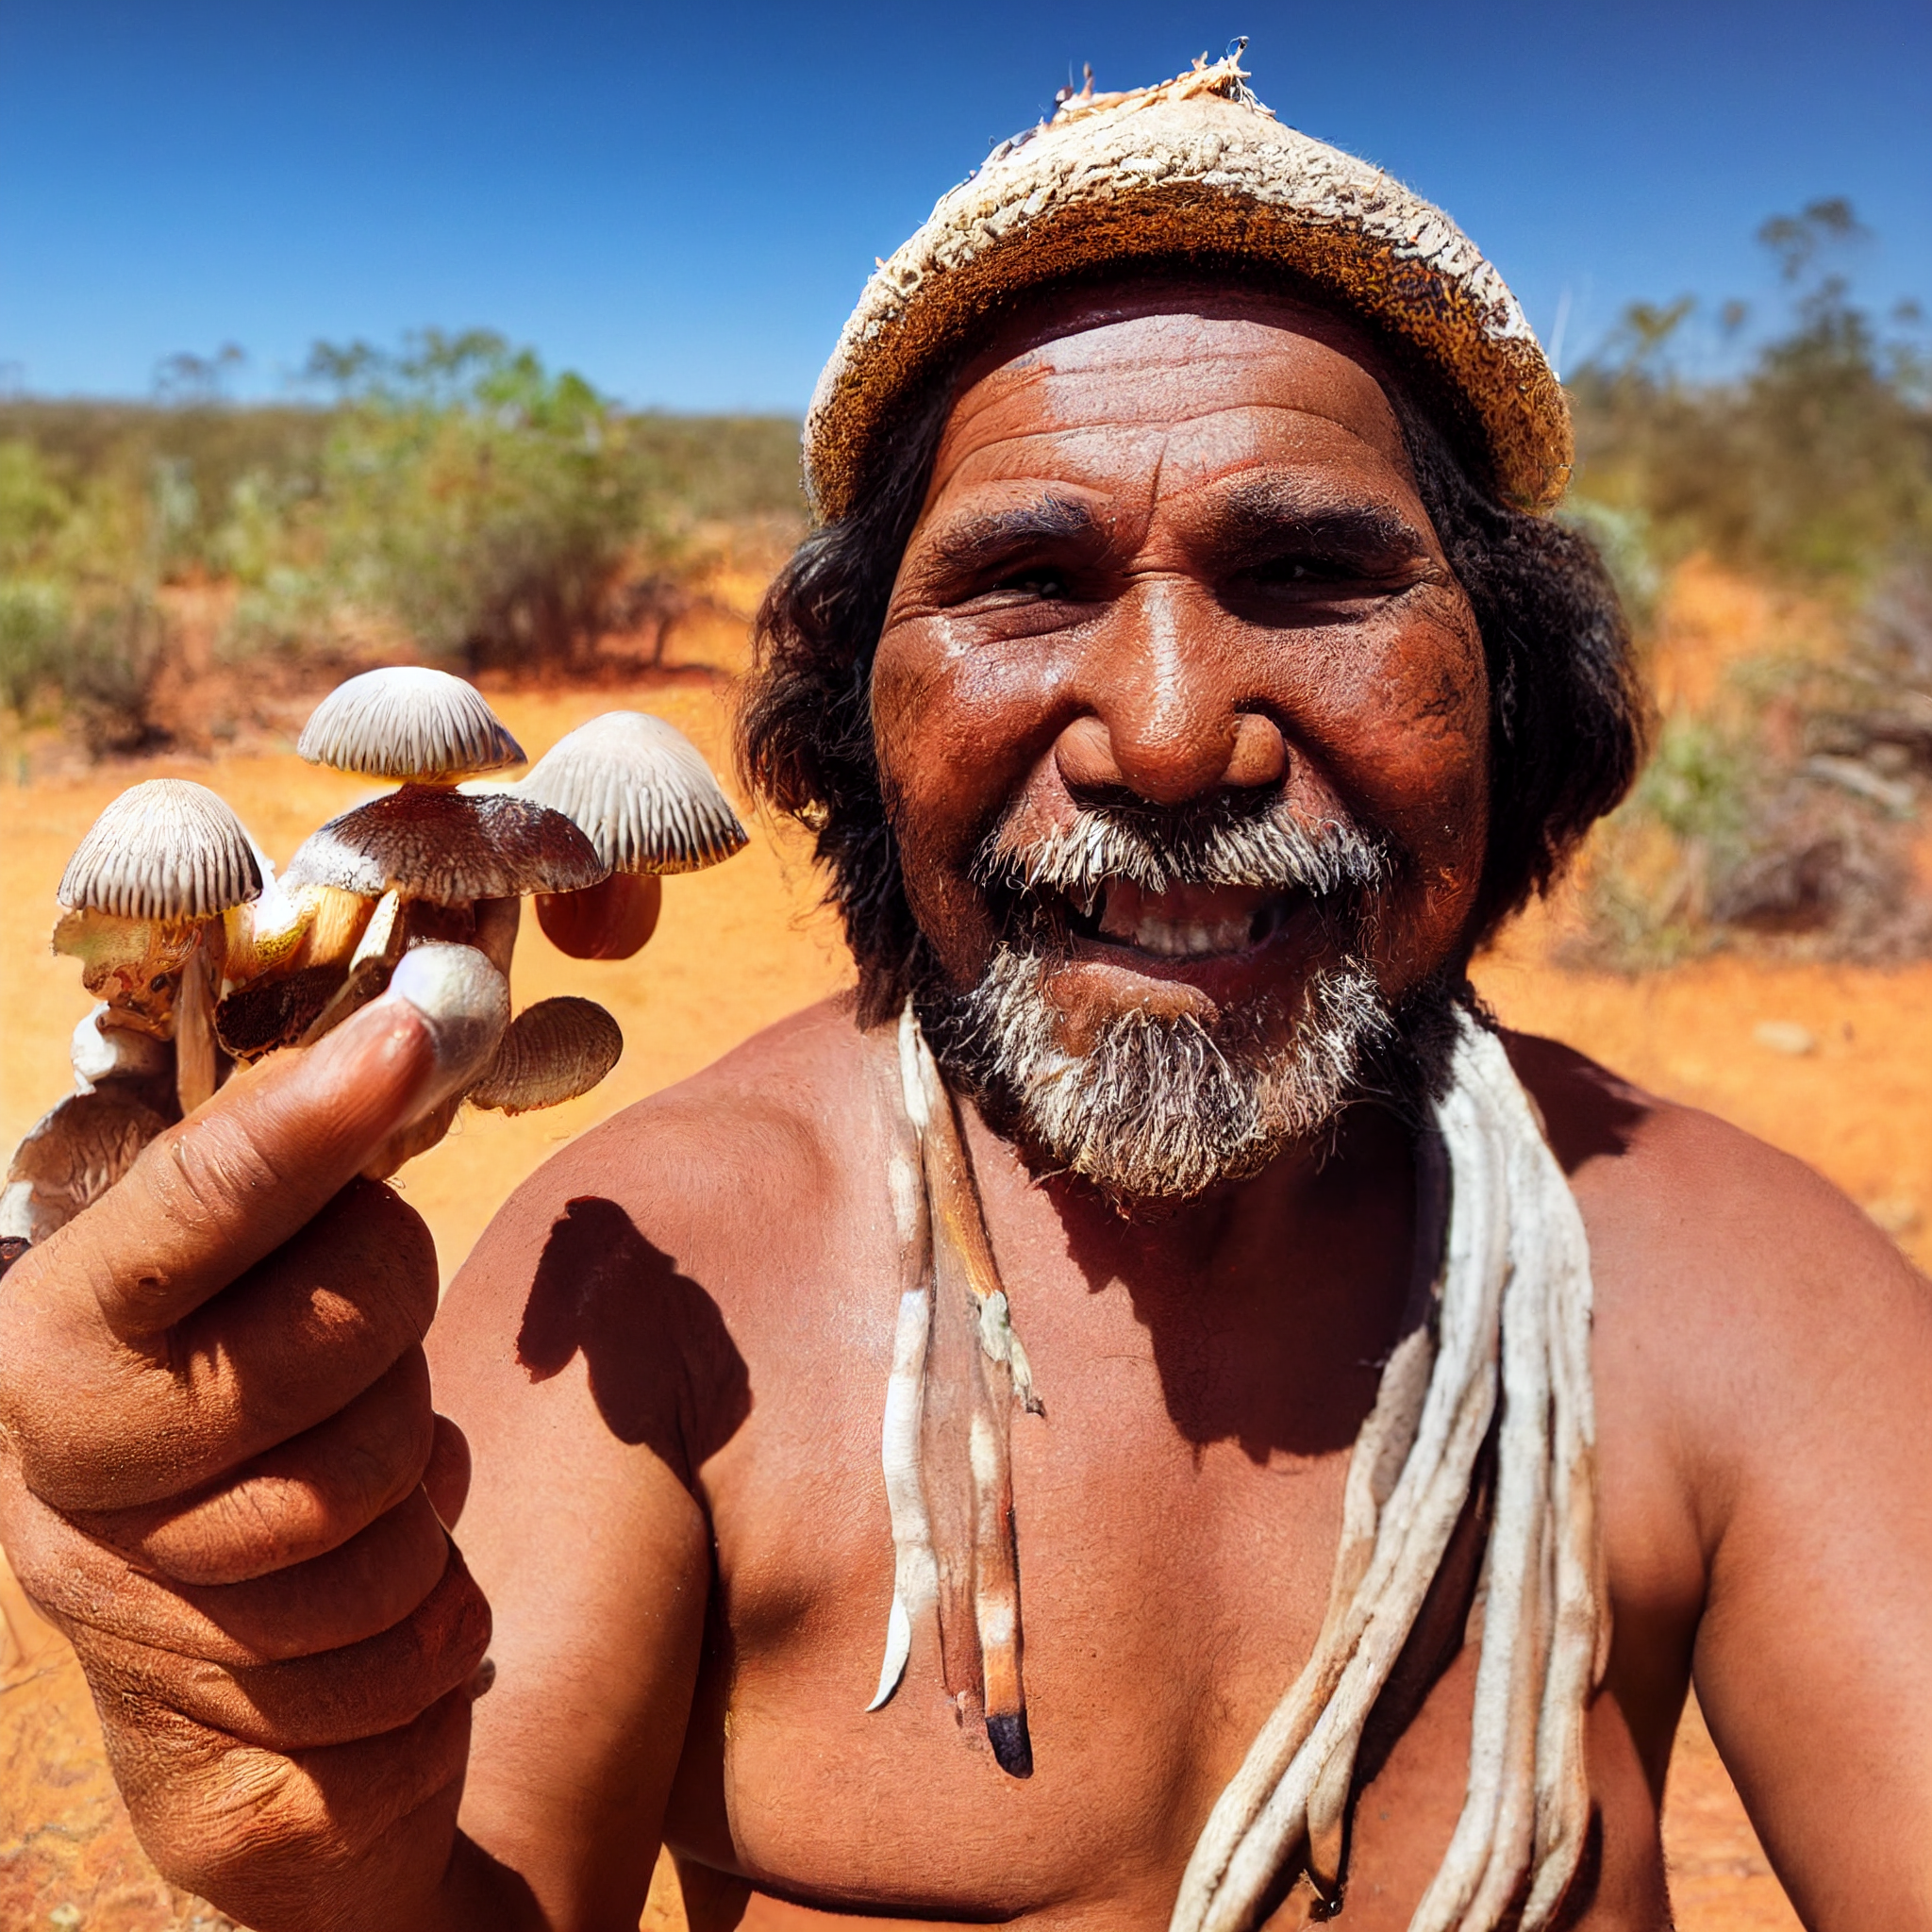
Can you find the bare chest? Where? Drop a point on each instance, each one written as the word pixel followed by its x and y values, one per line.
pixel 1179 1507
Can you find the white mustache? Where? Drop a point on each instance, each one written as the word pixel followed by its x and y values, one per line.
pixel 1271 850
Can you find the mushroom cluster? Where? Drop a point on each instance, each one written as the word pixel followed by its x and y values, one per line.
pixel 201 958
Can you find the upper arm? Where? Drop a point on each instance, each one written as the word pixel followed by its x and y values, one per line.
pixel 590 1375
pixel 1765 1381
pixel 1814 1657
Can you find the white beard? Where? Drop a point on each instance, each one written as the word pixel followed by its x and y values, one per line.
pixel 1159 1106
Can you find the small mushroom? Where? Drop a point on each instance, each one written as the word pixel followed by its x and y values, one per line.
pixel 71 1157
pixel 409 722
pixel 426 857
pixel 103 1051
pixel 644 795
pixel 553 1052
pixel 144 897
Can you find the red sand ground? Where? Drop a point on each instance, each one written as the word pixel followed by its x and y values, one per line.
pixel 741 946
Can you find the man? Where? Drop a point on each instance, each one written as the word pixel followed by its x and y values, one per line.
pixel 1178 699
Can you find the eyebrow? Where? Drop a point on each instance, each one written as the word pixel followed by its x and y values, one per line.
pixel 972 542
pixel 1261 509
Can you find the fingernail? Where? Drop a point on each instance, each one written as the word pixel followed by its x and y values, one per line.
pixel 464 1002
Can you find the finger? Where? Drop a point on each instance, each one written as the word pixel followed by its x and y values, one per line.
pixel 447 1481
pixel 213 1195
pixel 210 1197
pixel 369 1584
pixel 302 1334
pixel 299 1500
pixel 360 1690
pixel 353 1827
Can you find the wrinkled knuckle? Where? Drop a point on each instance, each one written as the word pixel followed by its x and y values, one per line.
pixel 206 1172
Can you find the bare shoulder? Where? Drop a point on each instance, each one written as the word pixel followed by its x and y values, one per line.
pixel 1734 1284
pixel 1713 1212
pixel 675 1208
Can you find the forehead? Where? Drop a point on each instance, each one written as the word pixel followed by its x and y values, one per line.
pixel 1176 383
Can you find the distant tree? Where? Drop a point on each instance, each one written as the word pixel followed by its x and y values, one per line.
pixel 482 500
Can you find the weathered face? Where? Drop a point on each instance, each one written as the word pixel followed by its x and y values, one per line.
pixel 1173 569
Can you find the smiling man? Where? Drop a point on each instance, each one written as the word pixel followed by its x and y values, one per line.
pixel 1156 1312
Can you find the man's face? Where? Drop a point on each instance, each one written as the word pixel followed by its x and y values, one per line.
pixel 1181 717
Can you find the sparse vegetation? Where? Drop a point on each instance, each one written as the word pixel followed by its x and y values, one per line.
pixel 453 500
pixel 1782 810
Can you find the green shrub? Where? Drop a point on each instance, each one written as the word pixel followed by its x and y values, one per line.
pixel 1816 462
pixel 481 502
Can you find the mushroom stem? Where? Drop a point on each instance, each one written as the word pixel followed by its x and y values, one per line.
pixel 194 1030
pixel 370 966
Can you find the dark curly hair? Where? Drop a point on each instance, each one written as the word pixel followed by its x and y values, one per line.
pixel 1566 713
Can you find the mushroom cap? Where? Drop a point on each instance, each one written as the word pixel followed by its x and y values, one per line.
pixel 642 790
pixel 408 721
pixel 168 849
pixel 72 1156
pixel 553 1052
pixel 448 847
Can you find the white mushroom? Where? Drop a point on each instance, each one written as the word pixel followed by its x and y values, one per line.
pixel 553 1052
pixel 646 799
pixel 424 857
pixel 167 850
pixel 144 894
pixel 642 790
pixel 410 723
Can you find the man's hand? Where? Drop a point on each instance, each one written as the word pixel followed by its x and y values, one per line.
pixel 220 1476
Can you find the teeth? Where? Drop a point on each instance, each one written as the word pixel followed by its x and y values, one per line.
pixel 1191 939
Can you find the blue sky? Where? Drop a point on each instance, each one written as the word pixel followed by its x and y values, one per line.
pixel 683 202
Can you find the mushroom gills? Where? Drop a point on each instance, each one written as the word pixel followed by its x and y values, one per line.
pixel 553 1052
pixel 641 791
pixel 408 721
pixel 168 849
pixel 71 1157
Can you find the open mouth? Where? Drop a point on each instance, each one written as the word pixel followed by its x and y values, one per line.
pixel 1184 922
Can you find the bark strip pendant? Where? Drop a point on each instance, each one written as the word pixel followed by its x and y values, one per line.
pixel 957 1369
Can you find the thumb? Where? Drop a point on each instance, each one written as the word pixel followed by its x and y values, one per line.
pixel 209 1198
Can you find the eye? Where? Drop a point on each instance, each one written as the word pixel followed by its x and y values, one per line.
pixel 1304 569
pixel 1039 581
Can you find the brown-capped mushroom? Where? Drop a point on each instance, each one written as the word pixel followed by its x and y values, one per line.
pixel 71 1157
pixel 646 799
pixel 553 1052
pixel 426 857
pixel 144 899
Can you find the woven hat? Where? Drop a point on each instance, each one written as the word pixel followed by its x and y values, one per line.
pixel 1196 171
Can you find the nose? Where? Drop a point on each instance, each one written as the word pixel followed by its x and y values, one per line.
pixel 1163 717
pixel 1251 753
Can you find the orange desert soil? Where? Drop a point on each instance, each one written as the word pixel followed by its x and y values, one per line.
pixel 739 947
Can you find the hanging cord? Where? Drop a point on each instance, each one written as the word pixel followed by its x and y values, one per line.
pixel 958 1370
pixel 1512 1320
pixel 1504 1319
